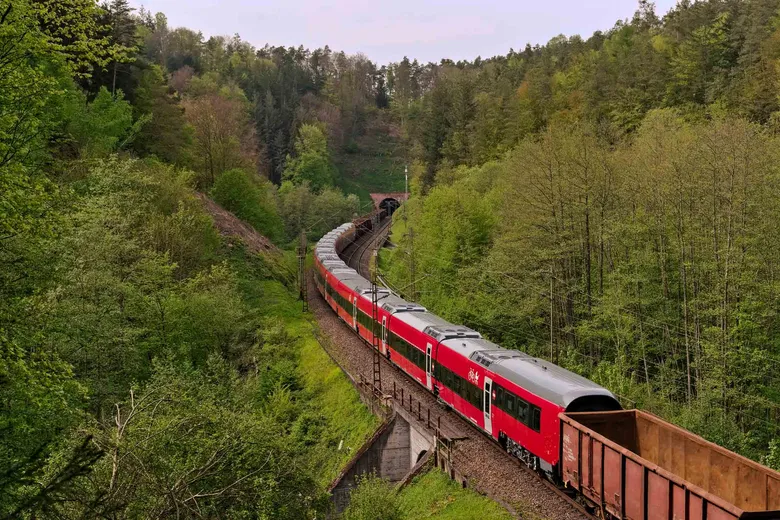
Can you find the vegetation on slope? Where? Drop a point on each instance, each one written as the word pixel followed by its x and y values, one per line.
pixel 149 366
pixel 430 495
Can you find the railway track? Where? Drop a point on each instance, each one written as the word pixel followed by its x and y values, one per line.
pixel 358 254
pixel 488 468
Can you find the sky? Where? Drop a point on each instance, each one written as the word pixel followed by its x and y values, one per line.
pixel 428 30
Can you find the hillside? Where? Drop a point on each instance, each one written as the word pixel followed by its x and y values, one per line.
pixel 374 162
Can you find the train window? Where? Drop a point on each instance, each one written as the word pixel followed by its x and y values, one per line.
pixel 510 403
pixel 499 396
pixel 522 411
pixel 536 422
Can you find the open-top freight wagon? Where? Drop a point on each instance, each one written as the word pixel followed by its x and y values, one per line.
pixel 634 465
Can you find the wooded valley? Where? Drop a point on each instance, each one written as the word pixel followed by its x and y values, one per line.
pixel 610 203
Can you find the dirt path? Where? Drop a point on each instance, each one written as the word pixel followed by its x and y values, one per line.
pixel 230 225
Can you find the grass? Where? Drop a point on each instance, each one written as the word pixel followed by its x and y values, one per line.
pixel 433 495
pixel 350 423
pixel 327 396
pixel 397 232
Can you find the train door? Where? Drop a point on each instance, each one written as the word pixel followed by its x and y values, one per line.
pixel 486 402
pixel 354 313
pixel 428 381
pixel 384 334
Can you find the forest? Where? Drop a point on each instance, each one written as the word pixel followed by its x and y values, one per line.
pixel 609 203
pixel 149 366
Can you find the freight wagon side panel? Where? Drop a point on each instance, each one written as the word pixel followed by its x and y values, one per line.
pixel 607 456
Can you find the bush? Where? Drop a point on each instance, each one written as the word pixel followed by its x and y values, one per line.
pixel 372 499
pixel 251 200
pixel 773 459
pixel 317 213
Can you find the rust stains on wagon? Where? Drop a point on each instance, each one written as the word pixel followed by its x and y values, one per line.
pixel 634 465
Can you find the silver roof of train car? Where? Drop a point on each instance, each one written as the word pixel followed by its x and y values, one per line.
pixel 381 292
pixel 333 263
pixel 341 272
pixel 328 257
pixel 468 346
pixel 542 378
pixel 437 327
pixel 354 281
pixel 394 304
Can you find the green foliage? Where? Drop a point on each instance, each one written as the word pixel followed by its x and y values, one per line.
pixel 73 30
pixel 107 310
pixel 430 495
pixel 147 369
pixel 166 134
pixel 42 400
pixel 638 266
pixel 33 77
pixel 311 162
pixel 138 299
pixel 372 499
pixel 223 136
pixel 103 125
pixel 433 495
pixel 341 423
pixel 252 200
pixel 317 213
pixel 697 62
pixel 773 458
pixel 198 436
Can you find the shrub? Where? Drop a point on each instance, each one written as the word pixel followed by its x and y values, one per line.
pixel 251 200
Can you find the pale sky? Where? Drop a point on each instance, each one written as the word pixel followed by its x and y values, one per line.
pixel 428 30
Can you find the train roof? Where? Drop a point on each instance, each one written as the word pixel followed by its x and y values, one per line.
pixel 353 281
pixel 394 304
pixel 333 264
pixel 328 257
pixel 381 294
pixel 437 327
pixel 538 376
pixel 468 346
pixel 344 272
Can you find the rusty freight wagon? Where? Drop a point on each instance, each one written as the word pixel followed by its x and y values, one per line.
pixel 633 465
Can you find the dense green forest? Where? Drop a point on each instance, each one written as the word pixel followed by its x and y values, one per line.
pixel 150 367
pixel 612 204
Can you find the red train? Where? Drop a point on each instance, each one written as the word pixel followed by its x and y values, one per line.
pixel 521 401
pixel 510 395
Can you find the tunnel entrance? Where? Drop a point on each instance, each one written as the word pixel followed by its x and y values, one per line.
pixel 389 201
pixel 390 205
